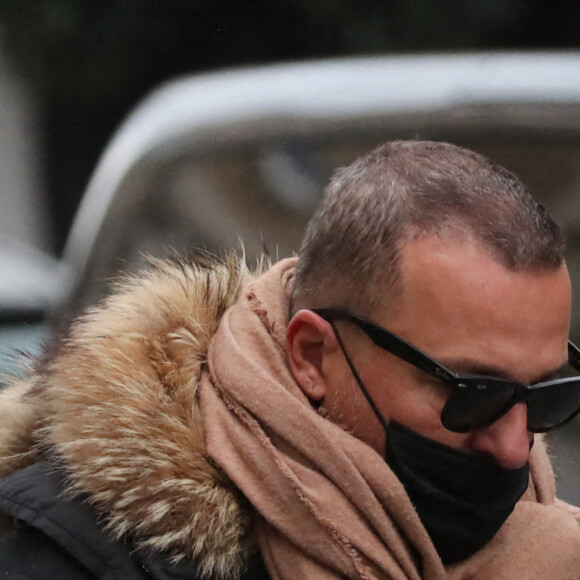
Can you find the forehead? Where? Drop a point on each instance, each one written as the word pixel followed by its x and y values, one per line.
pixel 457 302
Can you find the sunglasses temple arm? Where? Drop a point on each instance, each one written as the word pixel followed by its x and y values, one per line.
pixel 359 381
pixel 574 355
pixel 410 354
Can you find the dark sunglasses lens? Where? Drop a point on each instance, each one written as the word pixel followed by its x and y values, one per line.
pixel 550 405
pixel 476 405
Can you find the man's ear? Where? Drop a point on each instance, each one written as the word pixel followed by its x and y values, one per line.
pixel 309 339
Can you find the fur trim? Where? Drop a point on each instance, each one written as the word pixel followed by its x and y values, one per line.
pixel 120 409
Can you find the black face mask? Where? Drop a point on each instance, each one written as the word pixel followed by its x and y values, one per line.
pixel 462 499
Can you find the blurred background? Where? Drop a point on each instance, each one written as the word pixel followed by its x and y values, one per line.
pixel 142 127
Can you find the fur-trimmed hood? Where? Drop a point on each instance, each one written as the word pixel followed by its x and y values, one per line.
pixel 118 406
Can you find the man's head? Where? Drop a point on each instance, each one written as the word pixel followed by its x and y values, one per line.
pixel 450 252
pixel 405 191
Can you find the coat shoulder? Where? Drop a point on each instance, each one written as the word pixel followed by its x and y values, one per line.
pixel 28 554
pixel 52 536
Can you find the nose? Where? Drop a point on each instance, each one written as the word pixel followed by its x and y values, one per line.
pixel 507 440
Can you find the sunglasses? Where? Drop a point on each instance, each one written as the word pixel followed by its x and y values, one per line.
pixel 476 401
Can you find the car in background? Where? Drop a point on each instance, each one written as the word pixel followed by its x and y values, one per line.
pixel 214 160
pixel 209 160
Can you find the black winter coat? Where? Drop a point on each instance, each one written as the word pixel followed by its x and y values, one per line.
pixel 54 538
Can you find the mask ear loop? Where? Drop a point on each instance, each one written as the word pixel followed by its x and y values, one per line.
pixel 359 380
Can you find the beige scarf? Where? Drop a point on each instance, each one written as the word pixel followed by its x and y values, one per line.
pixel 330 506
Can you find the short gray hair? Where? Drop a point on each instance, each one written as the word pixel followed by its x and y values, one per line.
pixel 407 190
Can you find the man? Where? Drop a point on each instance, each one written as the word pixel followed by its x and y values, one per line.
pixel 363 411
